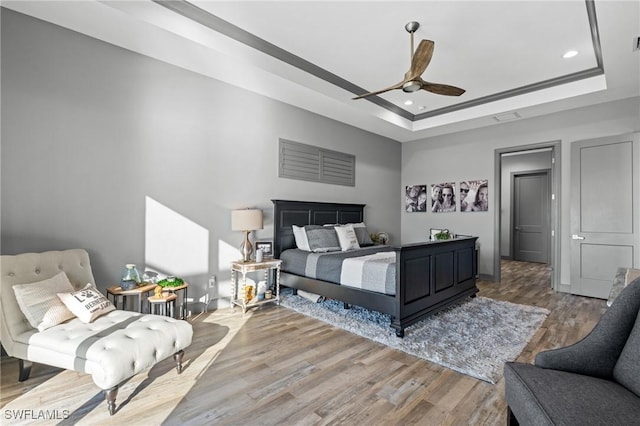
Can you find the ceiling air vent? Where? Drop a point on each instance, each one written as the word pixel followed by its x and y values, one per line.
pixel 508 116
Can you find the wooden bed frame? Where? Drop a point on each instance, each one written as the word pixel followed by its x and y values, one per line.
pixel 429 276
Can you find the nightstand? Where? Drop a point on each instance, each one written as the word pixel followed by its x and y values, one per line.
pixel 238 295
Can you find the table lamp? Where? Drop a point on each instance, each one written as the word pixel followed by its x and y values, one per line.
pixel 246 220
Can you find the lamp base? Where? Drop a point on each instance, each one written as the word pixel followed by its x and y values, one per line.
pixel 246 248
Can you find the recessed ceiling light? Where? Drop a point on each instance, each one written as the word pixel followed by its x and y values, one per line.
pixel 409 102
pixel 421 107
pixel 570 54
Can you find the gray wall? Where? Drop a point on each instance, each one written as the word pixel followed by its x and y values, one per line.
pixel 101 147
pixel 470 155
pixel 515 164
pixel 140 161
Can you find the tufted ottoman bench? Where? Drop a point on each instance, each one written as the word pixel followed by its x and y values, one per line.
pixel 112 348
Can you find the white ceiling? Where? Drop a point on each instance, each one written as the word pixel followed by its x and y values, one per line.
pixel 317 55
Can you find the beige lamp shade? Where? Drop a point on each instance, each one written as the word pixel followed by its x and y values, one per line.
pixel 246 220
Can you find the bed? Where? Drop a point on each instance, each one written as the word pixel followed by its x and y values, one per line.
pixel 428 276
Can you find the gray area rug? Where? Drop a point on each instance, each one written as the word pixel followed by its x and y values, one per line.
pixel 475 337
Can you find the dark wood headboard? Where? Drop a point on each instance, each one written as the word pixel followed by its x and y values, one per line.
pixel 300 213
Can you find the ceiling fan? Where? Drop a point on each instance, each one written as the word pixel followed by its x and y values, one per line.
pixel 412 79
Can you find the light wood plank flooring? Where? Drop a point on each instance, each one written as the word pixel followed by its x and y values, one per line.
pixel 275 366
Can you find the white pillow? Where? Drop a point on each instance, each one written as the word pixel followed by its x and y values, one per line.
pixel 300 236
pixel 347 237
pixel 87 304
pixel 361 233
pixel 39 303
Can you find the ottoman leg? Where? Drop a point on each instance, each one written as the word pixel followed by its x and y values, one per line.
pixel 177 357
pixel 110 396
pixel 24 369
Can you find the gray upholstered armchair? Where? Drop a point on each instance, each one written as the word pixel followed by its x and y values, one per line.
pixel 593 382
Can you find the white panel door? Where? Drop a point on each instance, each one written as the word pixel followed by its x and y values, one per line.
pixel 605 193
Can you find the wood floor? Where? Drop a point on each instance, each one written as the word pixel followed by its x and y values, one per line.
pixel 275 366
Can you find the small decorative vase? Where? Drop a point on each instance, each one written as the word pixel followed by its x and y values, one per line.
pixel 259 254
pixel 261 289
pixel 130 277
pixel 150 277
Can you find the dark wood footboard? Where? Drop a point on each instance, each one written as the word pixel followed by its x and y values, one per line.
pixel 429 276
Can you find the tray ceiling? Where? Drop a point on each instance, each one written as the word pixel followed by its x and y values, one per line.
pixel 318 55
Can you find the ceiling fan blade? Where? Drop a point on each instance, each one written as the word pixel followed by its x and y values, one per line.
pixel 420 60
pixel 395 86
pixel 442 89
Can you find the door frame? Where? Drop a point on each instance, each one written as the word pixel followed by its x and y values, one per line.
pixel 512 234
pixel 554 256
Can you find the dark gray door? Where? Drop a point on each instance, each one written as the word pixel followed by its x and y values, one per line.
pixel 604 212
pixel 531 217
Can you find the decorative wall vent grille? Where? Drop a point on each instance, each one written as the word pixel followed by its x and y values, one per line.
pixel 308 162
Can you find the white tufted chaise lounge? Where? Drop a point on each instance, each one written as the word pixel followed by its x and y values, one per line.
pixel 112 348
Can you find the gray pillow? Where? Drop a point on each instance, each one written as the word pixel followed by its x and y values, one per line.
pixel 363 236
pixel 323 239
pixel 300 235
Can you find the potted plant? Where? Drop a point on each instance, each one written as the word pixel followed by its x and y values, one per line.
pixel 443 235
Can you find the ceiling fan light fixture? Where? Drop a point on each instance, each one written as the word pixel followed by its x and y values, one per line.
pixel 412 27
pixel 411 86
pixel 412 81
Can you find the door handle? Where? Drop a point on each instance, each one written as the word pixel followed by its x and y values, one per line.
pixel 577 237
